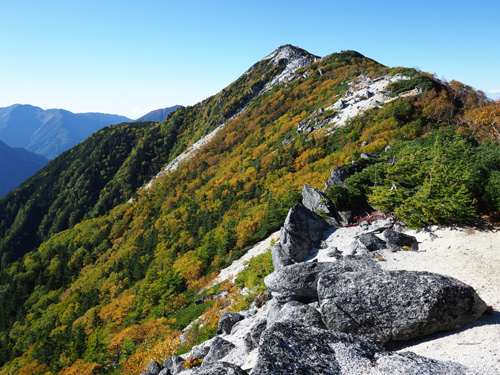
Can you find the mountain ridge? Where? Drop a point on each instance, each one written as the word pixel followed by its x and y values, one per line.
pixel 110 287
pixel 158 115
pixel 49 132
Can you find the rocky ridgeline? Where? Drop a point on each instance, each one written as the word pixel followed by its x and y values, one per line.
pixel 334 316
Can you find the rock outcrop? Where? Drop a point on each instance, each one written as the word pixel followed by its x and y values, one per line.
pixel 300 232
pixel 334 317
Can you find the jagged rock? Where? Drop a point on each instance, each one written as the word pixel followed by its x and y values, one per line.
pixel 174 364
pixel 296 312
pixel 227 321
pixel 299 281
pixel 371 242
pixel 219 348
pixel 317 201
pixel 252 338
pixel 220 368
pixel 396 305
pixel 165 371
pixel 410 363
pixel 288 348
pixel 396 239
pixel 302 228
pixel 337 177
pixel 154 368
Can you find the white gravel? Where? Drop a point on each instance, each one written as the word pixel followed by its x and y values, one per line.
pixel 469 255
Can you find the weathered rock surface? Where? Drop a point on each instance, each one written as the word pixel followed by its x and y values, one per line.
pixel 227 321
pixel 299 281
pixel 219 348
pixel 280 258
pixel 337 177
pixel 396 305
pixel 154 368
pixel 295 312
pixel 317 201
pixel 174 364
pixel 219 368
pixel 288 348
pixel 302 228
pixel 408 363
pixel 397 239
pixel 252 338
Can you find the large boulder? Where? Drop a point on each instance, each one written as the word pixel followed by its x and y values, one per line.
pixel 288 348
pixel 301 230
pixel 295 312
pixel 219 348
pixel 299 281
pixel 227 321
pixel 398 240
pixel 317 201
pixel 396 305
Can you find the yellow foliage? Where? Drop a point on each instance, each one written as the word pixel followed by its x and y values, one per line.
pixel 118 309
pixel 161 350
pixel 81 368
pixel 189 266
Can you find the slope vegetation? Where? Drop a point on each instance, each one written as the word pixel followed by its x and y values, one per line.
pixel 114 289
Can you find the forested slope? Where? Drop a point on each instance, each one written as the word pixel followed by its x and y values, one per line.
pixel 112 291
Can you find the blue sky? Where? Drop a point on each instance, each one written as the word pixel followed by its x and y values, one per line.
pixel 130 57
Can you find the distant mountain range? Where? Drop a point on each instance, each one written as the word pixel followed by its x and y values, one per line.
pixel 158 115
pixel 16 165
pixel 49 132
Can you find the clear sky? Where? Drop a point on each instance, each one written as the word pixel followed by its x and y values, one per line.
pixel 129 57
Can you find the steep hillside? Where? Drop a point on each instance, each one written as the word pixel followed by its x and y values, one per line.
pixel 16 165
pixel 114 290
pixel 158 115
pixel 49 132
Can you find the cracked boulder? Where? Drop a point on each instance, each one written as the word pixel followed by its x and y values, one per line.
pixel 396 305
pixel 299 281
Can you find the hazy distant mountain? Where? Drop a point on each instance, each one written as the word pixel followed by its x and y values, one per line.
pixel 104 118
pixel 16 165
pixel 49 132
pixel 158 114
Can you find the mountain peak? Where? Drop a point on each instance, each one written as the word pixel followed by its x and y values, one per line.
pixel 287 53
pixel 292 58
